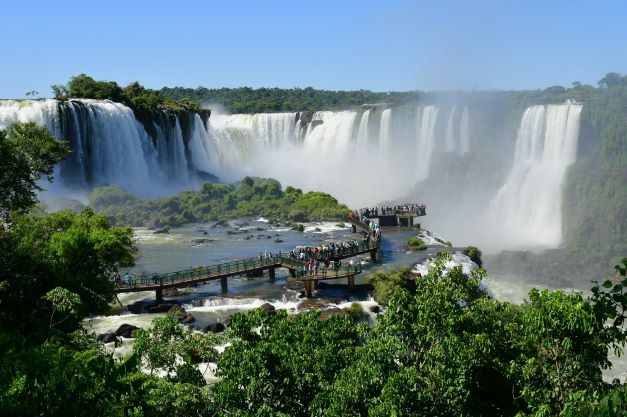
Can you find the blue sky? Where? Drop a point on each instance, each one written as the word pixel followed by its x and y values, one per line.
pixel 374 45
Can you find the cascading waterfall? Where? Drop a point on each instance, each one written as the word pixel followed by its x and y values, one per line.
pixel 458 143
pixel 464 133
pixel 450 131
pixel 427 118
pixel 360 157
pixel 529 205
pixel 384 136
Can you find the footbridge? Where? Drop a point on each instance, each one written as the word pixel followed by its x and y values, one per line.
pixel 256 266
pixel 296 265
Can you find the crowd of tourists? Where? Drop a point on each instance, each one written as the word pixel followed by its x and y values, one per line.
pixel 407 208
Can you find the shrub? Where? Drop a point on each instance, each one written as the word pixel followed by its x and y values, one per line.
pixel 474 254
pixel 416 243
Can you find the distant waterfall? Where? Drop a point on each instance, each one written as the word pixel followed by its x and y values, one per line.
pixel 459 143
pixel 330 132
pixel 529 205
pixel 450 131
pixel 464 133
pixel 427 118
pixel 384 135
pixel 363 132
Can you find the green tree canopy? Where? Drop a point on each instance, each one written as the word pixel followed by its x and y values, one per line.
pixel 28 153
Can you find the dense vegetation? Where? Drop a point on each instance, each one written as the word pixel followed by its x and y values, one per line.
pixel 134 95
pixel 269 100
pixel 216 202
pixel 416 243
pixel 25 148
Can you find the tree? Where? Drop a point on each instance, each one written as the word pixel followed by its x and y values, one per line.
pixel 28 153
pixel 611 79
pixel 78 252
pixel 277 364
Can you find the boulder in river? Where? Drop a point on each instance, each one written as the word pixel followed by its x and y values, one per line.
pixel 375 309
pixel 268 309
pixel 181 315
pixel 161 308
pixel 126 330
pixel 107 338
pixel 326 314
pixel 162 230
pixel 215 328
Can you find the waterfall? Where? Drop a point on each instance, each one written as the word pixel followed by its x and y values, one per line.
pixel 427 119
pixel 464 133
pixel 512 188
pixel 529 204
pixel 384 136
pixel 362 132
pixel 330 132
pixel 450 132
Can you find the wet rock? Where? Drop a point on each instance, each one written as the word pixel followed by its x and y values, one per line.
pixel 161 308
pixel 338 312
pixel 277 240
pixel 107 338
pixel 215 328
pixel 202 240
pixel 181 315
pixel 227 322
pixel 268 309
pixel 375 309
pixel 171 292
pixel 126 330
pixel 162 230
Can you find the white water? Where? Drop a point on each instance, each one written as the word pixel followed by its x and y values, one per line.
pixel 361 158
pixel 529 204
pixel 464 133
pixel 427 119
pixel 384 137
pixel 450 131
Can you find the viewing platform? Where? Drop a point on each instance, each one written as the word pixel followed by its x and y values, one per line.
pixel 252 266
pixel 402 216
pixel 296 264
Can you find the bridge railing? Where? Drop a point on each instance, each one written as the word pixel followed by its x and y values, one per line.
pixel 329 273
pixel 240 265
pixel 342 252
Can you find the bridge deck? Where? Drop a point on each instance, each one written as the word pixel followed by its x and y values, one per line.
pixel 200 274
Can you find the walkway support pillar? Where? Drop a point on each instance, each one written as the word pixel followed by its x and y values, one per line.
pixel 271 274
pixel 373 255
pixel 354 229
pixel 309 288
pixel 351 282
pixel 411 221
pixel 224 285
pixel 291 272
pixel 159 295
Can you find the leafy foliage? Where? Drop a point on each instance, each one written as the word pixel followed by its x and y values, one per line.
pixel 268 100
pixel 474 254
pixel 416 243
pixel 279 368
pixel 134 95
pixel 77 252
pixel 28 153
pixel 215 202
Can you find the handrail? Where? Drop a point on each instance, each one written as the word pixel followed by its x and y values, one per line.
pixel 249 264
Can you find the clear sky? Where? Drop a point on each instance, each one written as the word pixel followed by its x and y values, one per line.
pixel 376 45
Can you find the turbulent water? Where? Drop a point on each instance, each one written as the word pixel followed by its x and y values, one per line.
pixel 498 187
